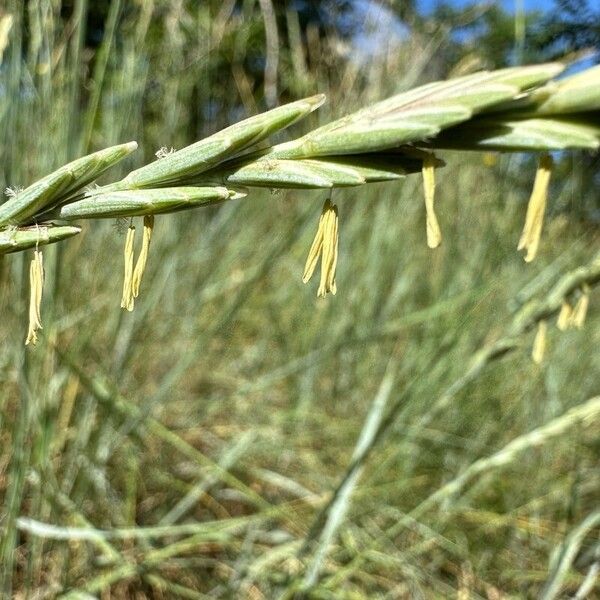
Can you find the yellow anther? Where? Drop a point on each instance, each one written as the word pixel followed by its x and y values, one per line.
pixel 140 265
pixel 36 284
pixel 325 245
pixel 564 316
pixel 490 159
pixel 539 343
pixel 127 300
pixel 581 308
pixel 314 252
pixel 434 234
pixel 534 220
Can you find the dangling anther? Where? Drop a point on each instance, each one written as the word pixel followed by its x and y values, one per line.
pixel 140 265
pixel 36 284
pixel 325 245
pixel 127 297
pixel 539 343
pixel 434 234
pixel 534 220
pixel 581 308
pixel 564 316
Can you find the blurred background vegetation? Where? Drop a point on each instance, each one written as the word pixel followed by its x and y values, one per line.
pixel 235 437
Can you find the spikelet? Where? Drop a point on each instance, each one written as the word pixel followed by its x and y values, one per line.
pixel 539 343
pixel 325 245
pixel 36 284
pixel 580 311
pixel 434 234
pixel 534 220
pixel 140 265
pixel 127 298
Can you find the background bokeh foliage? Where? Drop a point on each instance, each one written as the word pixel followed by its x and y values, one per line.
pixel 225 411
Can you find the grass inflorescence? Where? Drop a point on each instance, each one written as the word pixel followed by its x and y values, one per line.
pixel 233 436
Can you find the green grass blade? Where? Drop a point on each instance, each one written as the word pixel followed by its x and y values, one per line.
pixel 566 554
pixel 337 509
